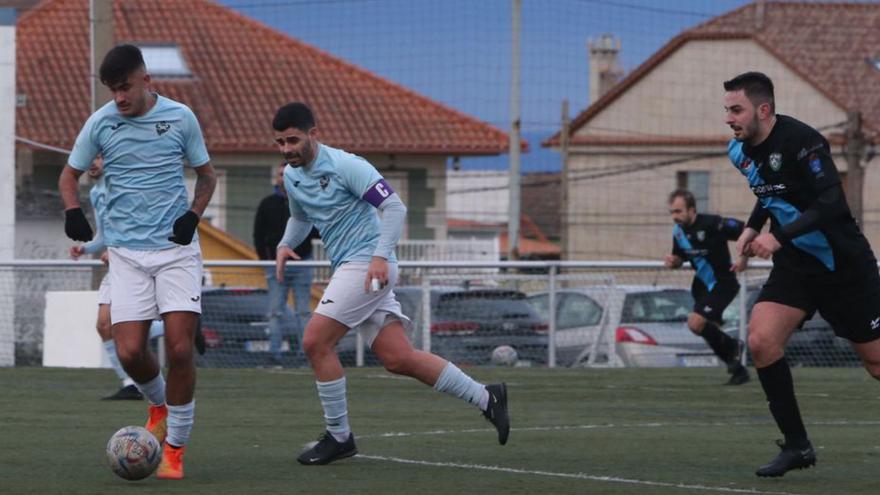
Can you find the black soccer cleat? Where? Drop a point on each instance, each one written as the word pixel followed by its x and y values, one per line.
pixel 740 376
pixel 790 458
pixel 328 450
pixel 129 392
pixel 200 337
pixel 735 360
pixel 496 411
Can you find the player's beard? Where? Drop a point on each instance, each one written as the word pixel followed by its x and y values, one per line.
pixel 302 158
pixel 749 131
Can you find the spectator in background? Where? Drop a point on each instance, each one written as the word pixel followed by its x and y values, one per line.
pixel 269 224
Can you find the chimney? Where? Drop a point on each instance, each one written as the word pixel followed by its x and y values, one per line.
pixel 604 71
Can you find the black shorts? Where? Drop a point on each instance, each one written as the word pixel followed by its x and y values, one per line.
pixel 850 304
pixel 711 304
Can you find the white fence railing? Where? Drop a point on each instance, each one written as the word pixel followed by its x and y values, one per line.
pixel 606 313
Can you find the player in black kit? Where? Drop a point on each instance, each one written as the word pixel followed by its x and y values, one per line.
pixel 702 240
pixel 821 260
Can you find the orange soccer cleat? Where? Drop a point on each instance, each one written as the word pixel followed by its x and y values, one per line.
pixel 157 422
pixel 171 467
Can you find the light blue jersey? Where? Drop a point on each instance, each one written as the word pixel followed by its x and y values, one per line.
pixel 143 169
pixel 329 193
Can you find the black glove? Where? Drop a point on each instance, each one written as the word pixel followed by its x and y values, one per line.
pixel 185 228
pixel 76 226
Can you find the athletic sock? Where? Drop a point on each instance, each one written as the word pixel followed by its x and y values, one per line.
pixel 154 390
pixel 455 382
pixel 110 349
pixel 335 404
pixel 180 423
pixel 723 345
pixel 779 389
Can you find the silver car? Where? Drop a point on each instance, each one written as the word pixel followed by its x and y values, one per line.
pixel 625 325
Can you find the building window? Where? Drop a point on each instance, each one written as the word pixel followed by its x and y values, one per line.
pixel 165 61
pixel 698 184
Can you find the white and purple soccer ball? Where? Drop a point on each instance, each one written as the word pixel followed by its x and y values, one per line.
pixel 504 355
pixel 133 453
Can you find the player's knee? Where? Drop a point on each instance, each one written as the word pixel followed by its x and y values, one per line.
pixel 696 323
pixel 313 346
pixel 179 353
pixel 396 363
pixel 129 354
pixel 762 347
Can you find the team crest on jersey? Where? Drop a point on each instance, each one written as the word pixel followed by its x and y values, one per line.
pixel 775 161
pixel 162 127
pixel 324 182
pixel 815 163
pixel 701 235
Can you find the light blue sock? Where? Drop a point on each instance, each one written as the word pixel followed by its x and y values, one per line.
pixel 110 349
pixel 154 390
pixel 157 329
pixel 180 422
pixel 454 382
pixel 333 400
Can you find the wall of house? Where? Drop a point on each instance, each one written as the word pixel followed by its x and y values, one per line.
pixel 684 94
pixel 623 215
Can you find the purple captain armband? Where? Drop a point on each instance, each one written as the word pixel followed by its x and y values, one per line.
pixel 377 193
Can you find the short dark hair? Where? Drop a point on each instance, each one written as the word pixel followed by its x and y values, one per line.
pixel 119 63
pixel 689 200
pixel 297 115
pixel 758 88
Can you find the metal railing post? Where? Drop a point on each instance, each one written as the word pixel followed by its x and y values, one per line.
pixel 551 323
pixel 743 314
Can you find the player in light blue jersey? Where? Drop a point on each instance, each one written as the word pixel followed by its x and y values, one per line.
pixel 343 195
pixel 149 229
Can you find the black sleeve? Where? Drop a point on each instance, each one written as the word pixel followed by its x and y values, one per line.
pixel 758 217
pixel 260 232
pixel 816 167
pixel 830 204
pixel 730 228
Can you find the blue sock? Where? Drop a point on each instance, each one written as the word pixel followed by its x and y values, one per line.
pixel 454 382
pixel 333 400
pixel 180 422
pixel 154 390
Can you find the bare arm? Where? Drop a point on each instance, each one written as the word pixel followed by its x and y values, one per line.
pixel 68 186
pixel 206 181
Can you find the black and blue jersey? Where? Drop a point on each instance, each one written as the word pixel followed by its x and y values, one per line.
pixel 798 188
pixel 704 244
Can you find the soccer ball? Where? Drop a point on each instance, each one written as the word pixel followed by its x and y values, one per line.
pixel 133 453
pixel 504 355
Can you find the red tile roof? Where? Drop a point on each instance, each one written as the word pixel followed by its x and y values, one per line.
pixel 830 45
pixel 242 72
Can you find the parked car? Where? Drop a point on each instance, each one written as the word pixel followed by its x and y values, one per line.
pixel 467 324
pixel 814 344
pixel 236 328
pixel 644 325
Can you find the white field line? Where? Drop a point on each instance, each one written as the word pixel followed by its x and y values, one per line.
pixel 398 434
pixel 578 476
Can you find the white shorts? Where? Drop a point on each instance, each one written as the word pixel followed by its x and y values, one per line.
pixel 146 284
pixel 345 301
pixel 104 290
